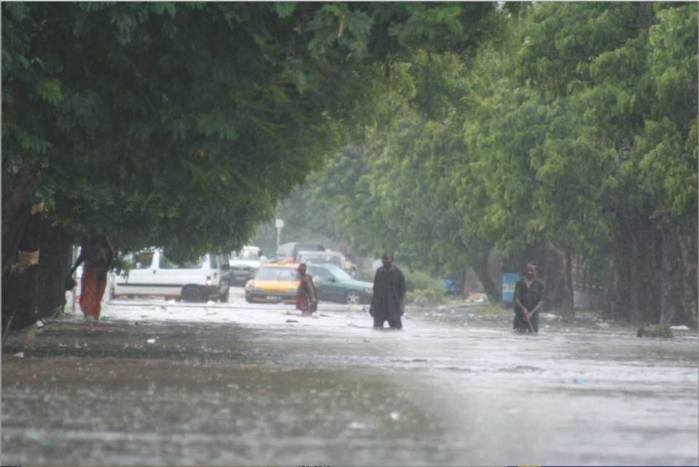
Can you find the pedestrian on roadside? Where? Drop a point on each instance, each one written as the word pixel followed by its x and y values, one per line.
pixel 306 294
pixel 388 299
pixel 528 299
pixel 97 254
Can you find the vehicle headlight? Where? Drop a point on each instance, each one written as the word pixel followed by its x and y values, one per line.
pixel 249 284
pixel 369 290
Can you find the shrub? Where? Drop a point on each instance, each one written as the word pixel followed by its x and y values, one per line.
pixel 423 289
pixel 655 331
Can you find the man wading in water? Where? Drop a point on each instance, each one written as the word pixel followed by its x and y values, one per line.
pixel 529 297
pixel 388 300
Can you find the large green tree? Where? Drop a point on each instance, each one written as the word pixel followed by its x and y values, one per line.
pixel 177 125
pixel 570 133
pixel 182 124
pixel 627 76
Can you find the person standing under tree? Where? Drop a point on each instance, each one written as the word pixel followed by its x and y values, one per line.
pixel 529 298
pixel 388 299
pixel 97 254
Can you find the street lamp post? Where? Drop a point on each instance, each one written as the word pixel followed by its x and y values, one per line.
pixel 279 224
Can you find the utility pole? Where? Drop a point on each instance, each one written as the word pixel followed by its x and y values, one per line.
pixel 279 224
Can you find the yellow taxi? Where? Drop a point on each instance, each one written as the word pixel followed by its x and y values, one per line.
pixel 273 283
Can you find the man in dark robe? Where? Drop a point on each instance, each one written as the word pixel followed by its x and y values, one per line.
pixel 529 297
pixel 388 300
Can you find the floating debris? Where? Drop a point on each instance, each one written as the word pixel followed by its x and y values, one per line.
pixel 549 317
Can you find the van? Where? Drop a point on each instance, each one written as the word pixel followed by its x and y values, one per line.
pixel 152 273
pixel 289 251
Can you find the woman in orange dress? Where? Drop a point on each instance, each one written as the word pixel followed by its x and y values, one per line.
pixel 306 294
pixel 97 255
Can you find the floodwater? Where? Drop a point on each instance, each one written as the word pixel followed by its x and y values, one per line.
pixel 235 384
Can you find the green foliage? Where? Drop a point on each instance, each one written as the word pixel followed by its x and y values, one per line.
pixel 569 117
pixel 443 131
pixel 172 124
pixel 571 135
pixel 423 289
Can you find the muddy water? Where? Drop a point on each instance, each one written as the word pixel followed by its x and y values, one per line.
pixel 163 383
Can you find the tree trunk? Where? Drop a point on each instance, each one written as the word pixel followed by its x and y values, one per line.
pixel 19 294
pixel 55 264
pixel 19 304
pixel 556 270
pixel 678 292
pixel 646 264
pixel 16 204
pixel 482 270
pixel 568 303
pixel 38 291
pixel 618 300
pixel 688 248
pixel 634 292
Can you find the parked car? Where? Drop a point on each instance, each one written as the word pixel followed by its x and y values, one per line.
pixel 335 285
pixel 289 251
pixel 273 283
pixel 327 257
pixel 153 273
pixel 244 264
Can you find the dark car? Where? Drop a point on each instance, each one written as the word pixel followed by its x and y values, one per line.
pixel 335 285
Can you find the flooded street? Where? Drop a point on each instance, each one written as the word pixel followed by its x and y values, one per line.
pixel 434 154
pixel 221 384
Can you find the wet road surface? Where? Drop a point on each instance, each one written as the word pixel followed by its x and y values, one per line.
pixel 165 383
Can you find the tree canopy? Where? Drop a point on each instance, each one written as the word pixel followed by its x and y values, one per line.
pixel 569 124
pixel 444 130
pixel 183 124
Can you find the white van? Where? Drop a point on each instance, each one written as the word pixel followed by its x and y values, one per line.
pixel 152 273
